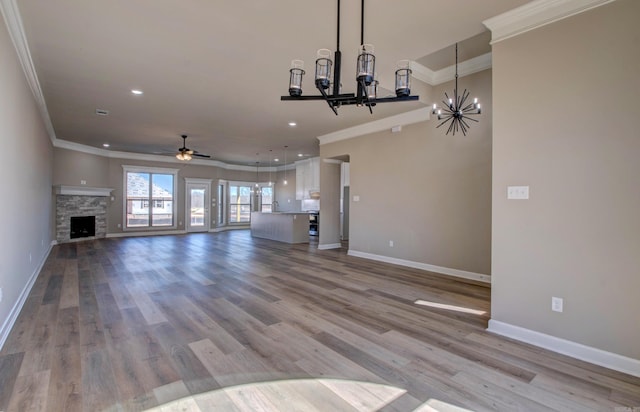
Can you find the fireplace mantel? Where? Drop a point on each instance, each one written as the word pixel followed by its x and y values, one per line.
pixel 82 190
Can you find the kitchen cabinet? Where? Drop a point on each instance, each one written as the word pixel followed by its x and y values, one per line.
pixel 308 179
pixel 283 227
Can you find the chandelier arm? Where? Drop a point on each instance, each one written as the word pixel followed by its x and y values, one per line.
pixel 465 95
pixel 326 98
pixel 468 107
pixel 362 88
pixel 464 128
pixel 446 120
pixel 453 127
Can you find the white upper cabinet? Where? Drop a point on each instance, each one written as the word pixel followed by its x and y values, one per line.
pixel 308 178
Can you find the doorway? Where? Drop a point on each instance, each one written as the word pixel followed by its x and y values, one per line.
pixel 197 205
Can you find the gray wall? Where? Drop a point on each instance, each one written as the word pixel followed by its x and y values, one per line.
pixel 566 124
pixel 26 182
pixel 429 193
pixel 70 167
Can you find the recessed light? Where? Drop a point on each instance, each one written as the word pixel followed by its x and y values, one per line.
pixel 300 155
pixel 292 124
pixel 137 92
pixel 276 160
pixel 105 145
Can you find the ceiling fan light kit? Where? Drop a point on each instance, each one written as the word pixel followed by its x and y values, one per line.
pixel 186 154
pixel 366 92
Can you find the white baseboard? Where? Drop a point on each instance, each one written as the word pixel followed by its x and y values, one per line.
pixel 15 311
pixel 424 266
pixel 149 233
pixel 330 246
pixel 226 228
pixel 575 350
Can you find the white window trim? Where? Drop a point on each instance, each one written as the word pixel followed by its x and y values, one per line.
pixel 228 205
pixel 222 203
pixel 142 169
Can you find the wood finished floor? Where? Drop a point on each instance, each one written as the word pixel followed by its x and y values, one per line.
pixel 228 322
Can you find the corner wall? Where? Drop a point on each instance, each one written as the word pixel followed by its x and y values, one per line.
pixel 26 170
pixel 427 192
pixel 566 125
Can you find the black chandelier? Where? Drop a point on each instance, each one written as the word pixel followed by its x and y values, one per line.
pixel 366 94
pixel 455 110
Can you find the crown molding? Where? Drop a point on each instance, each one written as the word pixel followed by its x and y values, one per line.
pixel 77 147
pixel 536 14
pixel 465 68
pixel 11 14
pixel 402 119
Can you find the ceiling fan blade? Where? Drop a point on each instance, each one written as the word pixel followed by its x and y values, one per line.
pixel 200 155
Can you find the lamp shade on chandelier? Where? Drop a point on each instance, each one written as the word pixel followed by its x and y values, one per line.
pixel 456 111
pixel 366 82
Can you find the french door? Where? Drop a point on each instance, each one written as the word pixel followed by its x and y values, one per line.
pixel 198 205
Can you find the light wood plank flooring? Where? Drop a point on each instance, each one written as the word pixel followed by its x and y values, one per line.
pixel 227 322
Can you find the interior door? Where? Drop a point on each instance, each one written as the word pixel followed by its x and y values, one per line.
pixel 197 207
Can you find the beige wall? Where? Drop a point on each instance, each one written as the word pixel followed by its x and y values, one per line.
pixel 566 124
pixel 428 192
pixel 70 167
pixel 26 183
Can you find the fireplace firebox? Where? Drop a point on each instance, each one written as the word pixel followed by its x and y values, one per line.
pixel 82 226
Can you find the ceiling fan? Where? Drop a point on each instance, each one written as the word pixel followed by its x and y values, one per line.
pixel 184 153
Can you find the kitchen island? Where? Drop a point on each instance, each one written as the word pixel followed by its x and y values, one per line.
pixel 281 226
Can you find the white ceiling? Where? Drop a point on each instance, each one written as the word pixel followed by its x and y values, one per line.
pixel 215 70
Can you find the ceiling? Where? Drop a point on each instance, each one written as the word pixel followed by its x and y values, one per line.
pixel 215 70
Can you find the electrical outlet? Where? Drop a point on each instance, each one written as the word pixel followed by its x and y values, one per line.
pixel 518 192
pixel 557 304
pixel 391 243
pixel 83 182
pixel 119 225
pixel 0 294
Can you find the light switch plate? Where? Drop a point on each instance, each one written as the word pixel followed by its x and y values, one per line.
pixel 518 192
pixel 356 198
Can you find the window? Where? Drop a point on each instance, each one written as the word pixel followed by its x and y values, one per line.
pixel 221 204
pixel 149 200
pixel 239 203
pixel 266 199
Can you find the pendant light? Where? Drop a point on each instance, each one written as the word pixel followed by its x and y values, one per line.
pixel 285 166
pixel 455 110
pixel 270 165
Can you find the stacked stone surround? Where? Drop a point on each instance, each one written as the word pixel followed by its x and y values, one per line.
pixel 68 206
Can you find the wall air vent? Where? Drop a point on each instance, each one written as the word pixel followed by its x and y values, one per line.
pixel 102 112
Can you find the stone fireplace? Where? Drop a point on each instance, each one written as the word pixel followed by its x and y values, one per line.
pixel 86 206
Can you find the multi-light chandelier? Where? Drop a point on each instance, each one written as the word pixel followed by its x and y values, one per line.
pixel 366 94
pixel 456 110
